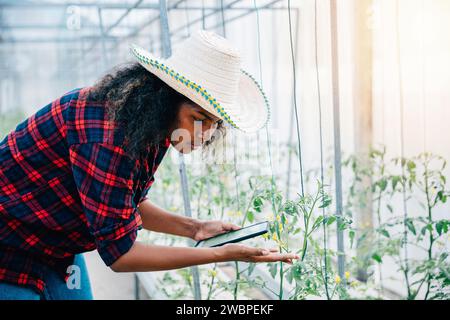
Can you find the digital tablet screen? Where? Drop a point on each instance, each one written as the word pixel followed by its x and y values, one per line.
pixel 236 235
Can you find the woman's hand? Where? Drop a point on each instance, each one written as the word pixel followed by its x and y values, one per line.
pixel 211 228
pixel 239 252
pixel 143 257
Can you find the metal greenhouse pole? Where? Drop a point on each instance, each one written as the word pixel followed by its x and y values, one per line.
pixel 337 134
pixel 363 124
pixel 324 214
pixel 103 39
pixel 167 51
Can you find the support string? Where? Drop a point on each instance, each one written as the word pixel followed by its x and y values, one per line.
pixel 272 179
pixel 321 149
pixel 302 189
pixel 402 151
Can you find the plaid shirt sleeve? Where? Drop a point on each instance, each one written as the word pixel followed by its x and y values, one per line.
pixel 104 178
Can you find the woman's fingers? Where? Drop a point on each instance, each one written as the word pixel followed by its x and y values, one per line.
pixel 274 257
pixel 252 254
pixel 229 226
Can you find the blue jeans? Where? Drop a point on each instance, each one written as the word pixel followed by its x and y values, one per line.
pixel 55 287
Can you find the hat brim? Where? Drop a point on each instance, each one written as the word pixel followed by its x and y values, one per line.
pixel 249 113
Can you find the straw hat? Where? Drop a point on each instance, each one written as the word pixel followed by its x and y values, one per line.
pixel 207 69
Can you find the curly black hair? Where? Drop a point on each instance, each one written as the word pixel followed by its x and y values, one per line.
pixel 144 106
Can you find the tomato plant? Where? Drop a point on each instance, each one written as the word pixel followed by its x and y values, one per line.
pixel 299 225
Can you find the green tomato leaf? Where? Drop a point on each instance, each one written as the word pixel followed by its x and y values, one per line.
pixel 385 233
pixel 442 226
pixel 257 202
pixel 411 165
pixel 383 184
pixel 329 220
pixel 410 226
pixel 377 258
pixel 351 235
pixel 395 181
pixel 428 227
pixel 391 210
pixel 250 216
pixel 326 201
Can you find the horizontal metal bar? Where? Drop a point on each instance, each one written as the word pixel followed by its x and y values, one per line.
pixel 268 6
pixel 135 31
pixel 237 8
pixel 56 39
pixel 55 26
pixel 11 4
pixel 150 22
pixel 123 16
pixel 249 11
pixel 105 33
pixel 226 7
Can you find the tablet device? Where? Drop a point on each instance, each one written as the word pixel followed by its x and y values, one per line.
pixel 235 235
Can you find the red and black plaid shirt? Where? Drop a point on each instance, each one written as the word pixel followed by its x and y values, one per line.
pixel 66 187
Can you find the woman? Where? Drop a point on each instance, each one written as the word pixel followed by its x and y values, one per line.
pixel 73 177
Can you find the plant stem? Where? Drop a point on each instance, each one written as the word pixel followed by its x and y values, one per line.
pixel 405 233
pixel 305 238
pixel 378 236
pixel 325 273
pixel 248 207
pixel 306 219
pixel 211 284
pixel 280 294
pixel 430 221
pixel 236 285
pixel 334 291
pixel 238 205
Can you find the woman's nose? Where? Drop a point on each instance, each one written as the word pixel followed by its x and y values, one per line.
pixel 205 133
pixel 209 133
